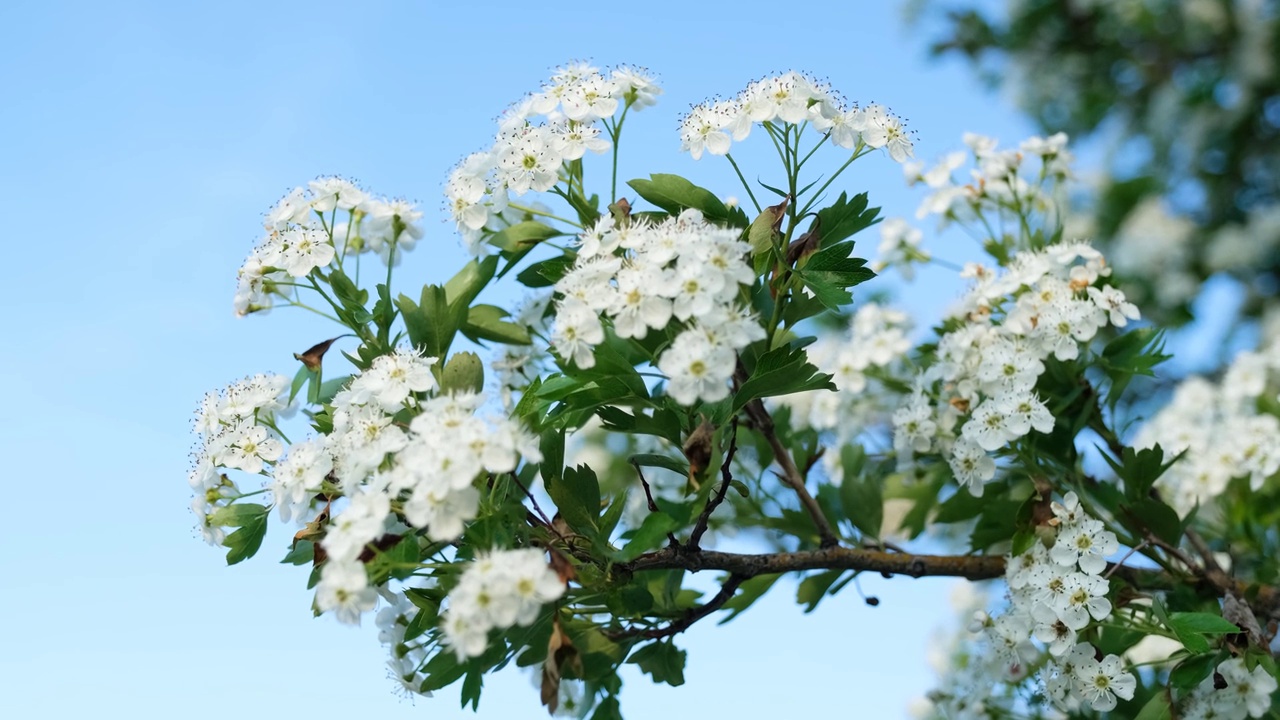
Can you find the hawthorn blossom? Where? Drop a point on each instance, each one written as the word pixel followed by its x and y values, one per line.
pixel 499 589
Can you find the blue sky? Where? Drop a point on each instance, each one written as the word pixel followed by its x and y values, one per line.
pixel 142 142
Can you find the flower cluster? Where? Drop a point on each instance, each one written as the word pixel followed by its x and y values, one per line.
pixel 796 99
pixel 1000 181
pixel 390 471
pixel 1219 426
pixel 304 233
pixel 537 137
pixel 1242 694
pixel 235 428
pixel 640 276
pixel 1046 303
pixel 1054 594
pixel 498 590
pixel 876 338
pixel 424 475
pixel 900 248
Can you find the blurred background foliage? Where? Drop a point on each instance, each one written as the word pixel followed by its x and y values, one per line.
pixel 1182 100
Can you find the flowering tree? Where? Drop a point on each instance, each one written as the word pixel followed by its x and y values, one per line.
pixel 684 369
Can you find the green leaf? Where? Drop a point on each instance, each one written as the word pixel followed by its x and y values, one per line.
pixel 781 371
pixel 1132 354
pixel 1192 627
pixel 609 521
pixel 427 599
pixel 384 313
pixel 1157 708
pixel 352 298
pixel 522 237
pixel 861 497
pixel 814 587
pixel 299 379
pixel 576 492
pixel 612 365
pixel 608 709
pixel 600 655
pixel 635 598
pixel 845 217
pixel 441 670
pixel 545 273
pixel 551 445
pixel 661 660
pixel 485 322
pixel 238 515
pixel 678 467
pixel 432 322
pixel 651 533
pixel 326 391
pixel 243 543
pixel 1201 622
pixel 1157 517
pixel 998 523
pixel 464 372
pixel 1191 671
pixel 421 622
pixel 303 552
pixel 1139 469
pixel 673 194
pixel 960 506
pixel 466 285
pixel 587 208
pixel 830 273
pixel 471 687
pixel 399 561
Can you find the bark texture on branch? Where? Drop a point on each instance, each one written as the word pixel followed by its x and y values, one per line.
pixel 972 567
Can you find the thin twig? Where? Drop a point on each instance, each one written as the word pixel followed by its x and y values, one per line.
pixel 648 496
pixel 1132 550
pixel 690 617
pixel 817 455
pixel 532 499
pixel 726 477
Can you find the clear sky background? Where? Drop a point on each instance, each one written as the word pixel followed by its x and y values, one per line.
pixel 140 144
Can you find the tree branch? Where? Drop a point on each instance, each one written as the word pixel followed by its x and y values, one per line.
pixel 790 473
pixel 972 567
pixel 1265 599
pixel 726 477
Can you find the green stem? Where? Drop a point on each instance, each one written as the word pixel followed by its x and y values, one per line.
pixel 539 213
pixel 316 286
pixel 396 228
pixel 944 263
pixel 321 313
pixel 750 194
pixel 616 134
pixel 814 150
pixel 242 496
pixel 776 145
pixel 858 152
pixel 273 426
